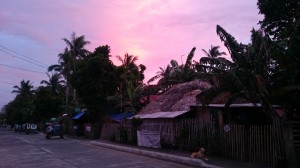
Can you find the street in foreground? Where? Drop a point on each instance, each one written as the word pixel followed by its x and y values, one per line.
pixel 33 150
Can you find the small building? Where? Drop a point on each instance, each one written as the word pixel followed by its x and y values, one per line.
pixel 111 126
pixel 164 123
pixel 79 119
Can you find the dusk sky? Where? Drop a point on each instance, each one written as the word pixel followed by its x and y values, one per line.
pixel 156 31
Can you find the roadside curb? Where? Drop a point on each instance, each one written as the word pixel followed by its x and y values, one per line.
pixel 158 155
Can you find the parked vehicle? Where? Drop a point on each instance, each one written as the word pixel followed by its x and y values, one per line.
pixel 30 128
pixel 54 129
pixel 17 128
pixel 23 127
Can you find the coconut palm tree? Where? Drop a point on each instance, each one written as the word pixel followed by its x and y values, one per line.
pixel 128 60
pixel 163 77
pixel 128 69
pixel 74 51
pixel 55 83
pixel 25 89
pixel 212 61
pixel 67 60
pixel 131 76
pixel 64 66
pixel 163 73
pixel 175 73
pixel 213 52
pixel 76 46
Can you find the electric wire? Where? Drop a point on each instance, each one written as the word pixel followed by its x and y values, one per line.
pixel 22 69
pixel 23 55
pixel 7 83
pixel 23 59
pixel 15 54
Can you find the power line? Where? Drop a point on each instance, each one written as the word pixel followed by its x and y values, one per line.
pixel 22 69
pixel 7 83
pixel 22 58
pixel 23 55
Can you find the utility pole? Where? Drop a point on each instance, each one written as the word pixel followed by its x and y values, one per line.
pixel 121 97
pixel 181 59
pixel 67 95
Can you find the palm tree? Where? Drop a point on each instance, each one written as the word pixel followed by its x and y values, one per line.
pixel 163 77
pixel 129 71
pixel 74 51
pixel 128 60
pixel 175 73
pixel 183 73
pixel 131 76
pixel 212 62
pixel 213 52
pixel 55 83
pixel 25 89
pixel 64 66
pixel 160 75
pixel 76 46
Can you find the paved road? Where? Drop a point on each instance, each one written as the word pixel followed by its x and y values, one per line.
pixel 33 150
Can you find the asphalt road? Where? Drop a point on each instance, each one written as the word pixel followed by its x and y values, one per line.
pixel 18 150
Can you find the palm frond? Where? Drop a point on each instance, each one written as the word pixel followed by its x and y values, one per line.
pixel 189 58
pixel 207 54
pixel 230 43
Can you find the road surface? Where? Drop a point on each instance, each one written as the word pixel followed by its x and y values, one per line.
pixel 18 150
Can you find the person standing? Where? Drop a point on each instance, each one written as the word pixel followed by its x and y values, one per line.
pixel 75 127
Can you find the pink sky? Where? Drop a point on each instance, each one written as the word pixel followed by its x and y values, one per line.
pixel 155 31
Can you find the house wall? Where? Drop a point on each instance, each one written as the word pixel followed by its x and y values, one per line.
pixel 110 131
pixel 164 126
pixel 203 115
pixel 210 115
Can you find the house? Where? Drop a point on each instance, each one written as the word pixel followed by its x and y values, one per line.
pixel 179 103
pixel 241 131
pixel 111 126
pixel 237 113
pixel 162 113
pixel 163 123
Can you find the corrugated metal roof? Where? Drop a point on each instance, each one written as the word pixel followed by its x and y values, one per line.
pixel 171 114
pixel 77 116
pixel 120 116
pixel 237 105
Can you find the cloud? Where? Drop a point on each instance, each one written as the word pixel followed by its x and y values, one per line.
pixel 156 31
